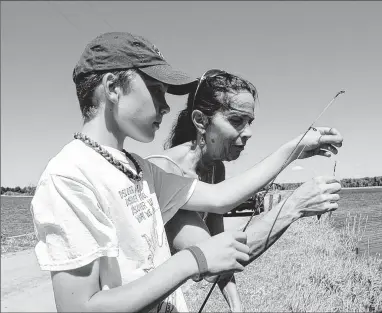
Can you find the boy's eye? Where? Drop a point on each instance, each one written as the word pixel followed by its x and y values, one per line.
pixel 156 89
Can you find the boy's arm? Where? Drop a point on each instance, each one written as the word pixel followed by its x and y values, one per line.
pixel 79 289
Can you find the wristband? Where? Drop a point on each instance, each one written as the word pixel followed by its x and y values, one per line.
pixel 200 260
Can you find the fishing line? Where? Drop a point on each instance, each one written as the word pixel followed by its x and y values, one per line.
pixel 98 17
pixel 57 9
pixel 269 187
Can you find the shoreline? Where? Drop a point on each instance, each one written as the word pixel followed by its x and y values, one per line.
pixel 369 187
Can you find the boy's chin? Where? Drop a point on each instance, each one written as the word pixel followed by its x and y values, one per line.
pixel 144 137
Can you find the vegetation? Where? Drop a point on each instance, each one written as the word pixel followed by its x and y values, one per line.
pixel 28 191
pixel 312 268
pixel 346 183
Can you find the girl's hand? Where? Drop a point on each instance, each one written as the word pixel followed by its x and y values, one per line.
pixel 319 141
pixel 315 197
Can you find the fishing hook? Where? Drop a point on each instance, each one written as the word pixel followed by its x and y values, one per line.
pixel 269 187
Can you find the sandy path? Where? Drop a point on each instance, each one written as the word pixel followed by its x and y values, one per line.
pixel 25 288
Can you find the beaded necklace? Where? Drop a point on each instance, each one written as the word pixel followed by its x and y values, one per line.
pixel 96 147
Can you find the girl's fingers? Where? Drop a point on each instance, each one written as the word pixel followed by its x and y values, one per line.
pixel 332 188
pixel 331 206
pixel 329 148
pixel 323 153
pixel 333 197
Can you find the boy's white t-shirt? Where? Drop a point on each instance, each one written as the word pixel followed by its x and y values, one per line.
pixel 85 208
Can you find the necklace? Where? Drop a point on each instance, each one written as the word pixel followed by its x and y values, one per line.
pixel 96 147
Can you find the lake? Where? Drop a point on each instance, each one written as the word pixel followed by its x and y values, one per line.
pixel 362 203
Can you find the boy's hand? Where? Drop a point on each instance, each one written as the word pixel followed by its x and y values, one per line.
pixel 225 251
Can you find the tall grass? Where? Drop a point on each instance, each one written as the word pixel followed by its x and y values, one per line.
pixel 312 268
pixel 18 243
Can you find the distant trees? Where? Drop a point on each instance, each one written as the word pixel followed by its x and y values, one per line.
pixel 29 190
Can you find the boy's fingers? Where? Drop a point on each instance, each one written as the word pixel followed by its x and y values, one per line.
pixel 240 236
pixel 239 267
pixel 241 247
pixel 243 257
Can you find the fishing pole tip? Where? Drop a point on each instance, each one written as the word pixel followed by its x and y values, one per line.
pixel 339 93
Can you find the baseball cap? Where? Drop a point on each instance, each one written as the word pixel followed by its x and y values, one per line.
pixel 123 50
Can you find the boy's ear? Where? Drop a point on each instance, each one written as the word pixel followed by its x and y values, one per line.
pixel 112 92
pixel 200 121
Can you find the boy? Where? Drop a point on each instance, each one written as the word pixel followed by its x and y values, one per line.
pixel 99 211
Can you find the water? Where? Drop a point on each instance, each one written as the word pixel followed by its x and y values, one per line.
pixel 363 202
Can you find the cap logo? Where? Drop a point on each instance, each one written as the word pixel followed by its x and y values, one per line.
pixel 156 50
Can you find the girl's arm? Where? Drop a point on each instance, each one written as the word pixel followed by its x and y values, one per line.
pixel 228 194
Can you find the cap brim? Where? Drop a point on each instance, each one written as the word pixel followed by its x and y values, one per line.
pixel 179 83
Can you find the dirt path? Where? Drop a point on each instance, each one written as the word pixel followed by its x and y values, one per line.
pixel 25 288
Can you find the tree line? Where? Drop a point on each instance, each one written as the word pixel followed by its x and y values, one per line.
pixel 346 183
pixel 28 191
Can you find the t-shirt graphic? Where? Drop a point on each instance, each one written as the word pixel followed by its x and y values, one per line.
pixel 154 240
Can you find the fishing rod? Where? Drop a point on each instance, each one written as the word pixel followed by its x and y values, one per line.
pixel 269 187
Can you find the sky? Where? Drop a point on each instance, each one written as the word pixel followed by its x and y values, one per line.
pixel 297 54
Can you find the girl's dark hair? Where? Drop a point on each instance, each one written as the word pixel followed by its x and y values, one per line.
pixel 86 85
pixel 214 94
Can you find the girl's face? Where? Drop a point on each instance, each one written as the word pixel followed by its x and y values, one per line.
pixel 229 130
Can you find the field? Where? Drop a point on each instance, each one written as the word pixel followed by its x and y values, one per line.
pixel 16 220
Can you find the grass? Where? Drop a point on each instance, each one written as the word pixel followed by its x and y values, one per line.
pixel 16 217
pixel 312 268
pixel 16 220
pixel 9 245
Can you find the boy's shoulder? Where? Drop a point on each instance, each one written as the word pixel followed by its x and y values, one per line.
pixel 67 161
